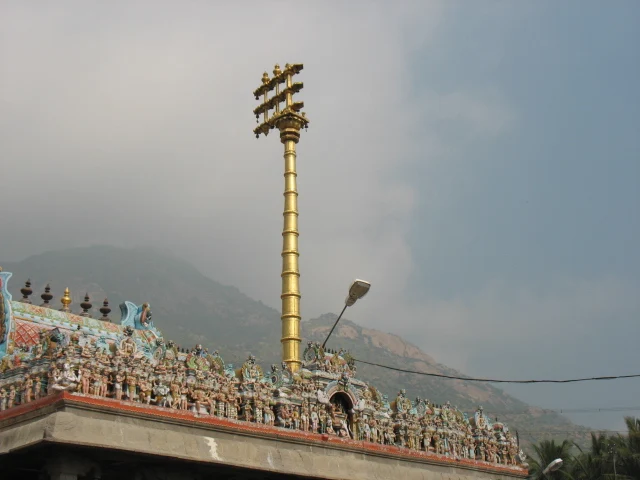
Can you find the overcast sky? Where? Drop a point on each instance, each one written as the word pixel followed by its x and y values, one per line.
pixel 478 162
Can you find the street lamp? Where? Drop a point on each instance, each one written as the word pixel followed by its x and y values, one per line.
pixel 552 467
pixel 357 290
pixel 613 451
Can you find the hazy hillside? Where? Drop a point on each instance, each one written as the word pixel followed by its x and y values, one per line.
pixel 187 306
pixel 191 308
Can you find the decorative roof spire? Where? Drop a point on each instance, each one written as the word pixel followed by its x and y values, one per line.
pixel 86 306
pixel 105 311
pixel 26 291
pixel 66 300
pixel 46 296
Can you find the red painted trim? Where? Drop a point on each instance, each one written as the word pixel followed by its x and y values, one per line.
pixel 28 407
pixel 251 428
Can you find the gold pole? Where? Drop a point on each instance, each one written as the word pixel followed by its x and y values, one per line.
pixel 290 270
pixel 289 122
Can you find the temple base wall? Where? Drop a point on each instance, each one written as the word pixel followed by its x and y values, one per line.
pixel 75 425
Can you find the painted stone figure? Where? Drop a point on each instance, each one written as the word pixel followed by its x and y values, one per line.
pixel 27 392
pixel 65 379
pixel 37 387
pixel 11 396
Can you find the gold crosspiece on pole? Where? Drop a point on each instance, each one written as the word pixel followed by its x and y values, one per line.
pixel 282 112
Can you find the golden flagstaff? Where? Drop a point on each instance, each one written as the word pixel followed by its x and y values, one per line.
pixel 281 112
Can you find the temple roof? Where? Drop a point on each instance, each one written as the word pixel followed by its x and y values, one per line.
pixel 45 352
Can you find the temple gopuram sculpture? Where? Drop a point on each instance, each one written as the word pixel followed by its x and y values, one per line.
pixel 44 351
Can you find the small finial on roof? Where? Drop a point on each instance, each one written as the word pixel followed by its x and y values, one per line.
pixel 86 306
pixel 66 300
pixel 46 296
pixel 105 310
pixel 26 291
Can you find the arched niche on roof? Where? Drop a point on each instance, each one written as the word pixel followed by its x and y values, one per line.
pixel 342 403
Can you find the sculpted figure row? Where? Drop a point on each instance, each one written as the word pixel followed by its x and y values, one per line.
pixel 324 398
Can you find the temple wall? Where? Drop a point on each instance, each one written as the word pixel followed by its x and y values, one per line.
pixel 124 387
pixel 88 424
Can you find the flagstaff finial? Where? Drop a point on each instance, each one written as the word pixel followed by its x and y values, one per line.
pixel 281 112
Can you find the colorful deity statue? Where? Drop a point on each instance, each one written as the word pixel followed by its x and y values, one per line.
pixel 118 383
pixel 295 418
pixel 84 372
pixel 145 315
pixel 251 372
pixel 269 416
pixel 304 417
pixel 27 392
pixel 247 410
pixel 37 387
pixel 328 421
pixel 11 396
pixel 146 390
pixel 86 351
pixel 403 404
pixel 131 381
pixel 184 395
pixel 162 394
pixel 65 379
pixel 127 347
pixel 343 428
pixel 283 416
pixel 314 419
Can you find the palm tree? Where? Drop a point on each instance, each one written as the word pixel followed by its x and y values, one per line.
pixel 628 450
pixel 547 451
pixel 610 458
pixel 592 464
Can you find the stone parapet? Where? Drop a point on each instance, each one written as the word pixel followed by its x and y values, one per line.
pixel 78 420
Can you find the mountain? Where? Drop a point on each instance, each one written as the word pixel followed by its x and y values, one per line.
pixel 191 308
pixel 188 307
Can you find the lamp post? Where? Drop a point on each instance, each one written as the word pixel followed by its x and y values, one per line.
pixel 281 112
pixel 613 451
pixel 357 290
pixel 552 467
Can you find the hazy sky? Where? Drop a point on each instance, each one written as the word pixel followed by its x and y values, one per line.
pixel 478 162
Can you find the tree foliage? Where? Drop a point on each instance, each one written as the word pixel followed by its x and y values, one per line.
pixel 608 457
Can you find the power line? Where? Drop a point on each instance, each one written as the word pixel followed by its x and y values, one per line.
pixel 566 410
pixel 490 380
pixel 592 410
pixel 555 432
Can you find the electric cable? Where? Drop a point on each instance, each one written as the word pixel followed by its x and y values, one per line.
pixel 534 410
pixel 491 380
pixel 568 432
